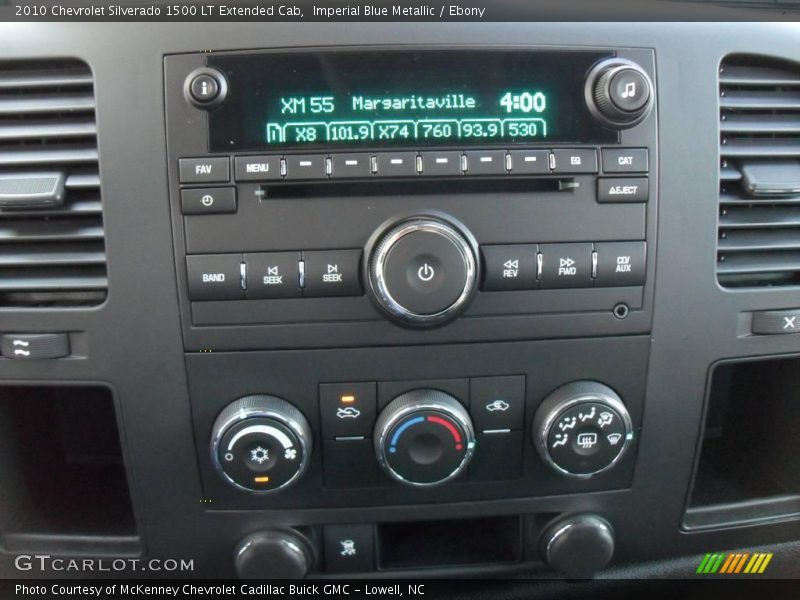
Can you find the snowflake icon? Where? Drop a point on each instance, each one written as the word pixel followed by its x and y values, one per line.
pixel 259 455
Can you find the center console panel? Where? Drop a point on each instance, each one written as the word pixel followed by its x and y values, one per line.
pixel 413 276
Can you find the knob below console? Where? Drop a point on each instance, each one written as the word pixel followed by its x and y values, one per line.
pixel 582 429
pixel 424 438
pixel 261 444
pixel 578 546
pixel 279 554
pixel 619 93
pixel 423 270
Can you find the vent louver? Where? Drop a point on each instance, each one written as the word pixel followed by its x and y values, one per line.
pixel 759 219
pixel 52 250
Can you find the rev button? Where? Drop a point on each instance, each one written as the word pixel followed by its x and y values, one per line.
pixel 511 267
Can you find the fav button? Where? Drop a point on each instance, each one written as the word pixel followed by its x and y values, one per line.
pixel 332 273
pixel 620 263
pixel 208 201
pixel 204 170
pixel 215 276
pixel 566 265
pixel 273 274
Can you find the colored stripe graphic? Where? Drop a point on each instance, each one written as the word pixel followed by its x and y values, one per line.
pixel 727 566
pixel 703 563
pixel 734 563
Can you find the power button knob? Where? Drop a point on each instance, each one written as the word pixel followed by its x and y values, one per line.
pixel 422 270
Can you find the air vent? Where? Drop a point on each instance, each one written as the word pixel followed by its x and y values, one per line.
pixel 52 250
pixel 759 219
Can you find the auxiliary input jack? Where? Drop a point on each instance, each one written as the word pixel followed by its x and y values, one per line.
pixel 621 310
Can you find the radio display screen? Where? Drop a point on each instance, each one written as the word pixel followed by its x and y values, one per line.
pixel 459 98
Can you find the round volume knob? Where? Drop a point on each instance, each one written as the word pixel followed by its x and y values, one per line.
pixel 424 438
pixel 423 270
pixel 619 93
pixel 582 429
pixel 261 444
pixel 278 554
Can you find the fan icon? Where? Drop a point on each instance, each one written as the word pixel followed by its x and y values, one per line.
pixel 290 454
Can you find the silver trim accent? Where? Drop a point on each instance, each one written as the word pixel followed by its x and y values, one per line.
pixel 377 280
pixel 594 264
pixel 328 166
pixel 551 161
pixel 243 275
pixel 539 266
pixel 262 406
pixel 419 164
pixel 493 431
pixel 564 398
pixel 508 162
pixel 464 163
pixel 284 168
pixel 301 273
pixel 406 404
pixel 373 164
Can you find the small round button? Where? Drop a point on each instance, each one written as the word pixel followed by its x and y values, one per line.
pixel 204 88
pixel 423 270
pixel 629 90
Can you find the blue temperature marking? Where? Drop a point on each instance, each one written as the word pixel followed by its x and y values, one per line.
pixel 402 428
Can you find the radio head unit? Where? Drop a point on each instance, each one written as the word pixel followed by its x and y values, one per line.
pixel 324 197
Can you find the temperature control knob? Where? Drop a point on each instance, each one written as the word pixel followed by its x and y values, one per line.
pixel 422 270
pixel 261 444
pixel 582 429
pixel 424 438
pixel 619 93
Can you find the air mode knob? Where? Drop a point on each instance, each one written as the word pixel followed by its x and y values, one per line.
pixel 261 444
pixel 422 270
pixel 582 429
pixel 424 438
pixel 619 93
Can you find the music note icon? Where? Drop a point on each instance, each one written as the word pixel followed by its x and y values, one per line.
pixel 630 90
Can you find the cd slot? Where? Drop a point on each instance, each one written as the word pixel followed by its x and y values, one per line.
pixel 405 187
